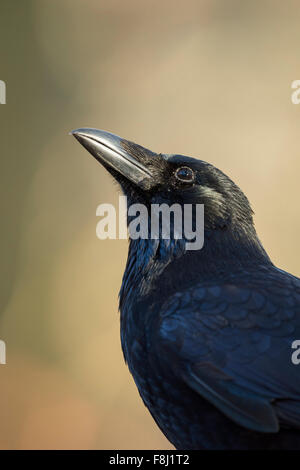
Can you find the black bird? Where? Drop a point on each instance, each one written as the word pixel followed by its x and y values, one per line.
pixel 207 334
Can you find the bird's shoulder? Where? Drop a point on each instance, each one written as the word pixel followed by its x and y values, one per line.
pixel 231 342
pixel 263 297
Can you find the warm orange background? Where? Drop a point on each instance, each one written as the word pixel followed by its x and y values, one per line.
pixel 207 78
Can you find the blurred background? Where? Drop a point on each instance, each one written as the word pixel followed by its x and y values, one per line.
pixel 206 78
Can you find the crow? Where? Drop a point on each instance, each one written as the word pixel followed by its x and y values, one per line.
pixel 207 334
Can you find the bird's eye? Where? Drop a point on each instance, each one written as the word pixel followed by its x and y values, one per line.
pixel 185 174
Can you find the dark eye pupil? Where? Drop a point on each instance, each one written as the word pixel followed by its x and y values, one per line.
pixel 185 174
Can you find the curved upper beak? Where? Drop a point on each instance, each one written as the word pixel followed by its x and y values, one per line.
pixel 109 149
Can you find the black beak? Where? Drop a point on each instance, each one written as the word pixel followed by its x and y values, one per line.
pixel 109 149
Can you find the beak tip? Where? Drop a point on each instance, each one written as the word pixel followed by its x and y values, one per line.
pixel 108 149
pixel 79 134
pixel 75 132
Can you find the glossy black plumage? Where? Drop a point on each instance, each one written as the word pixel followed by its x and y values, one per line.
pixel 226 344
pixel 207 334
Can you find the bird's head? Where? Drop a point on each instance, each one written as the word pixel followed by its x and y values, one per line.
pixel 229 240
pixel 150 178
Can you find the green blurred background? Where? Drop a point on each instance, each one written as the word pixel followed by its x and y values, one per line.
pixel 207 78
